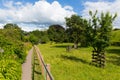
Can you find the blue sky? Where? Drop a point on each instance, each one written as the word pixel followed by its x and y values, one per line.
pixel 39 14
pixel 76 4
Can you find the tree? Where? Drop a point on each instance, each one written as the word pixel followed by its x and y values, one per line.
pixel 56 33
pixel 76 29
pixel 13 31
pixel 11 26
pixel 41 35
pixel 98 32
pixel 33 39
pixel 11 43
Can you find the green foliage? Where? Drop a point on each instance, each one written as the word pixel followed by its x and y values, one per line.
pixel 33 39
pixel 11 41
pixel 99 30
pixel 11 26
pixel 19 50
pixel 56 33
pixel 12 50
pixel 42 36
pixel 44 39
pixel 10 70
pixel 12 32
pixel 76 29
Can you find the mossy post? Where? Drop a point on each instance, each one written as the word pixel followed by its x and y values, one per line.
pixel 48 67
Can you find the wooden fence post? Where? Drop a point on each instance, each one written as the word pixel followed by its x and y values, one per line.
pixel 45 68
pixel 48 68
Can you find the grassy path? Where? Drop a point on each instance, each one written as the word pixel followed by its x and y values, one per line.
pixel 27 67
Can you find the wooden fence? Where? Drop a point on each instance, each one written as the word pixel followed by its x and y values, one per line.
pixel 44 67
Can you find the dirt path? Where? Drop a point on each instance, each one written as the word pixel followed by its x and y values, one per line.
pixel 27 67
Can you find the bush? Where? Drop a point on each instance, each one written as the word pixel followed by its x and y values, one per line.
pixel 44 39
pixel 1 76
pixel 19 50
pixel 10 70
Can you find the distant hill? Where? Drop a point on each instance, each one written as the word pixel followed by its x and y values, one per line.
pixel 115 36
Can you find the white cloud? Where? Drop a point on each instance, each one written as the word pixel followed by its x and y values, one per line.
pixel 103 6
pixel 18 3
pixel 68 8
pixel 1 26
pixel 32 27
pixel 41 12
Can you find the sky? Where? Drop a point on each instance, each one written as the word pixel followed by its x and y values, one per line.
pixel 39 14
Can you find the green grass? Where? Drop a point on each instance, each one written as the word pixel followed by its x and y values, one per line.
pixel 75 65
pixel 36 73
pixel 115 36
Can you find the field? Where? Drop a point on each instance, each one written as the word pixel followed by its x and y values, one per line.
pixel 75 65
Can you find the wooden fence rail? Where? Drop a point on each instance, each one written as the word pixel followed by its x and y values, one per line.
pixel 44 67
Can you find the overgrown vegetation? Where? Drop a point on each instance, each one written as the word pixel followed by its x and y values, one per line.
pixel 12 52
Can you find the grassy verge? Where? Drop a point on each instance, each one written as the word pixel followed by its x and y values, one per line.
pixel 36 73
pixel 75 65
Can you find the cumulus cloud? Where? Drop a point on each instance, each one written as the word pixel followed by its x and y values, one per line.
pixel 41 12
pixel 103 6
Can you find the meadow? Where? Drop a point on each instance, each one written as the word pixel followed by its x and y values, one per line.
pixel 75 65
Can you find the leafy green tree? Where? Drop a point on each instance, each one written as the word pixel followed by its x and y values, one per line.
pixel 99 31
pixel 38 33
pixel 12 26
pixel 41 35
pixel 11 42
pixel 76 27
pixel 33 39
pixel 14 31
pixel 56 33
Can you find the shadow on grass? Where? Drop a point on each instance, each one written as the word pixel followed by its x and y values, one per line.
pixel 61 46
pixel 36 63
pixel 114 51
pixel 73 58
pixel 65 46
pixel 37 72
pixel 114 59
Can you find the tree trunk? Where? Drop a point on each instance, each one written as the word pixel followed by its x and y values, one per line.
pixel 98 58
pixel 75 45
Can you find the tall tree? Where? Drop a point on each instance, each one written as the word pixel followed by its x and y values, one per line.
pixel 14 31
pixel 56 33
pixel 11 26
pixel 33 39
pixel 76 26
pixel 99 31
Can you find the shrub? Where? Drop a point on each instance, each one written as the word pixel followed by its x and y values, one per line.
pixel 10 70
